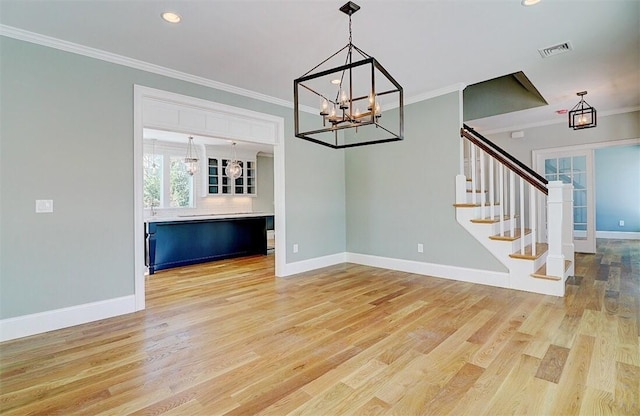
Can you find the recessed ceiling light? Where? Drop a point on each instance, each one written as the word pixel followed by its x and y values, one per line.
pixel 171 17
pixel 562 111
pixel 529 2
pixel 336 81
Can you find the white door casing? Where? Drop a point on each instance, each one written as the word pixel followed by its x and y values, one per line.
pixel 574 166
pixel 159 109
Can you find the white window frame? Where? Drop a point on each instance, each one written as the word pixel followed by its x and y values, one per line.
pixel 167 151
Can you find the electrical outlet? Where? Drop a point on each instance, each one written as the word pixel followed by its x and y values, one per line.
pixel 621 223
pixel 420 248
pixel 44 205
pixel 295 248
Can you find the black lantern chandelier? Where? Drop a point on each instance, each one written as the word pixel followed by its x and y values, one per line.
pixel 358 103
pixel 582 116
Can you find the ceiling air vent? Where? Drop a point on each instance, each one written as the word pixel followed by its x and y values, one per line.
pixel 555 49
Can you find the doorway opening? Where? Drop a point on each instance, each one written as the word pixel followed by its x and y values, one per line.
pixel 178 115
pixel 576 165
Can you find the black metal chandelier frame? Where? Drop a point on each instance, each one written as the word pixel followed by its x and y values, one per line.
pixel 346 118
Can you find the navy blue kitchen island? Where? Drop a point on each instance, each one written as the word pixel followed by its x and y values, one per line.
pixel 197 240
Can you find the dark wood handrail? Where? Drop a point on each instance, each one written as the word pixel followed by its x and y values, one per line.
pixel 522 170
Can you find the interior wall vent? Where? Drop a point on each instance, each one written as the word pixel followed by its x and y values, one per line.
pixel 555 49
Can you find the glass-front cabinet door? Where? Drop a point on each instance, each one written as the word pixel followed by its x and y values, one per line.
pixel 220 184
pixel 214 176
pixel 239 182
pixel 251 177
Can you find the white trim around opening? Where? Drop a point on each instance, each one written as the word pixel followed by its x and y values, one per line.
pixel 145 94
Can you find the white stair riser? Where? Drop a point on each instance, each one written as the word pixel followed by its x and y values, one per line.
pixel 520 270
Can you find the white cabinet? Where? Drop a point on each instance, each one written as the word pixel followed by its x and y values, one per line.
pixel 250 175
pixel 220 184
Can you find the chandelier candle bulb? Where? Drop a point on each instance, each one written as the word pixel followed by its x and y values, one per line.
pixel 323 112
pixel 325 107
pixel 343 100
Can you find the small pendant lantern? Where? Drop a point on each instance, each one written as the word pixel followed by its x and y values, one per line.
pixel 582 116
pixel 191 158
pixel 234 168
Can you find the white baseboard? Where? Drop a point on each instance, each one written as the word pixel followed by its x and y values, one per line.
pixel 312 264
pixel 37 323
pixel 484 277
pixel 618 235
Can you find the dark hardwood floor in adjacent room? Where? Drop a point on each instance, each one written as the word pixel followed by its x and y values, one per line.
pixel 229 338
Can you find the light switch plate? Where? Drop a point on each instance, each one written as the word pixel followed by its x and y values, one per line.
pixel 44 206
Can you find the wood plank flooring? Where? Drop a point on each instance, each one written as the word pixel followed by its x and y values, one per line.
pixel 228 338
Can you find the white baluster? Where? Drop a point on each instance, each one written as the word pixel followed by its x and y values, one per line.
pixel 492 213
pixel 521 212
pixel 512 202
pixel 473 172
pixel 483 198
pixel 462 154
pixel 501 208
pixel 532 218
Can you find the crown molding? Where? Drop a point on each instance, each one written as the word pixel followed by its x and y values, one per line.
pixel 24 35
pixel 63 45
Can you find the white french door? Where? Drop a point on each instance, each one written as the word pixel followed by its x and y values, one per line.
pixel 575 167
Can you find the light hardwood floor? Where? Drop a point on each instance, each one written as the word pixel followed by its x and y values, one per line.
pixel 229 338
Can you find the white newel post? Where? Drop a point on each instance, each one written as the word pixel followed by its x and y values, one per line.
pixel 567 225
pixel 556 228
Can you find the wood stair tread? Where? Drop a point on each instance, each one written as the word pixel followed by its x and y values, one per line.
pixel 478 191
pixel 541 273
pixel 508 237
pixel 489 220
pixel 541 248
pixel 470 205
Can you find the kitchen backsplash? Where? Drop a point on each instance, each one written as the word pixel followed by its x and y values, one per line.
pixel 211 205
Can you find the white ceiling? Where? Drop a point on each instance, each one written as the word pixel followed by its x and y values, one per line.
pixel 427 46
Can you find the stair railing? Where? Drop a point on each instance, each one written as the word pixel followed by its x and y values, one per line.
pixel 509 192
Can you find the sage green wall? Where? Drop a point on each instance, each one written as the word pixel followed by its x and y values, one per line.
pixel 317 205
pixel 264 201
pixel 609 128
pixel 400 194
pixel 498 96
pixel 66 130
pixel 614 127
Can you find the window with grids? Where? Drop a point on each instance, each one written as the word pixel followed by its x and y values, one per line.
pixel 167 184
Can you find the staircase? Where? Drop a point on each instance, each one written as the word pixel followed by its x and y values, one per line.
pixel 519 217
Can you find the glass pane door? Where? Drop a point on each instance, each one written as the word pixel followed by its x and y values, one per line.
pixel 576 168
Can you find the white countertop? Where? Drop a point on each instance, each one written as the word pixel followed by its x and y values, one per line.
pixel 196 217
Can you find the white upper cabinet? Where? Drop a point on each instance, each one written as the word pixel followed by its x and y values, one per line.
pixel 218 183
